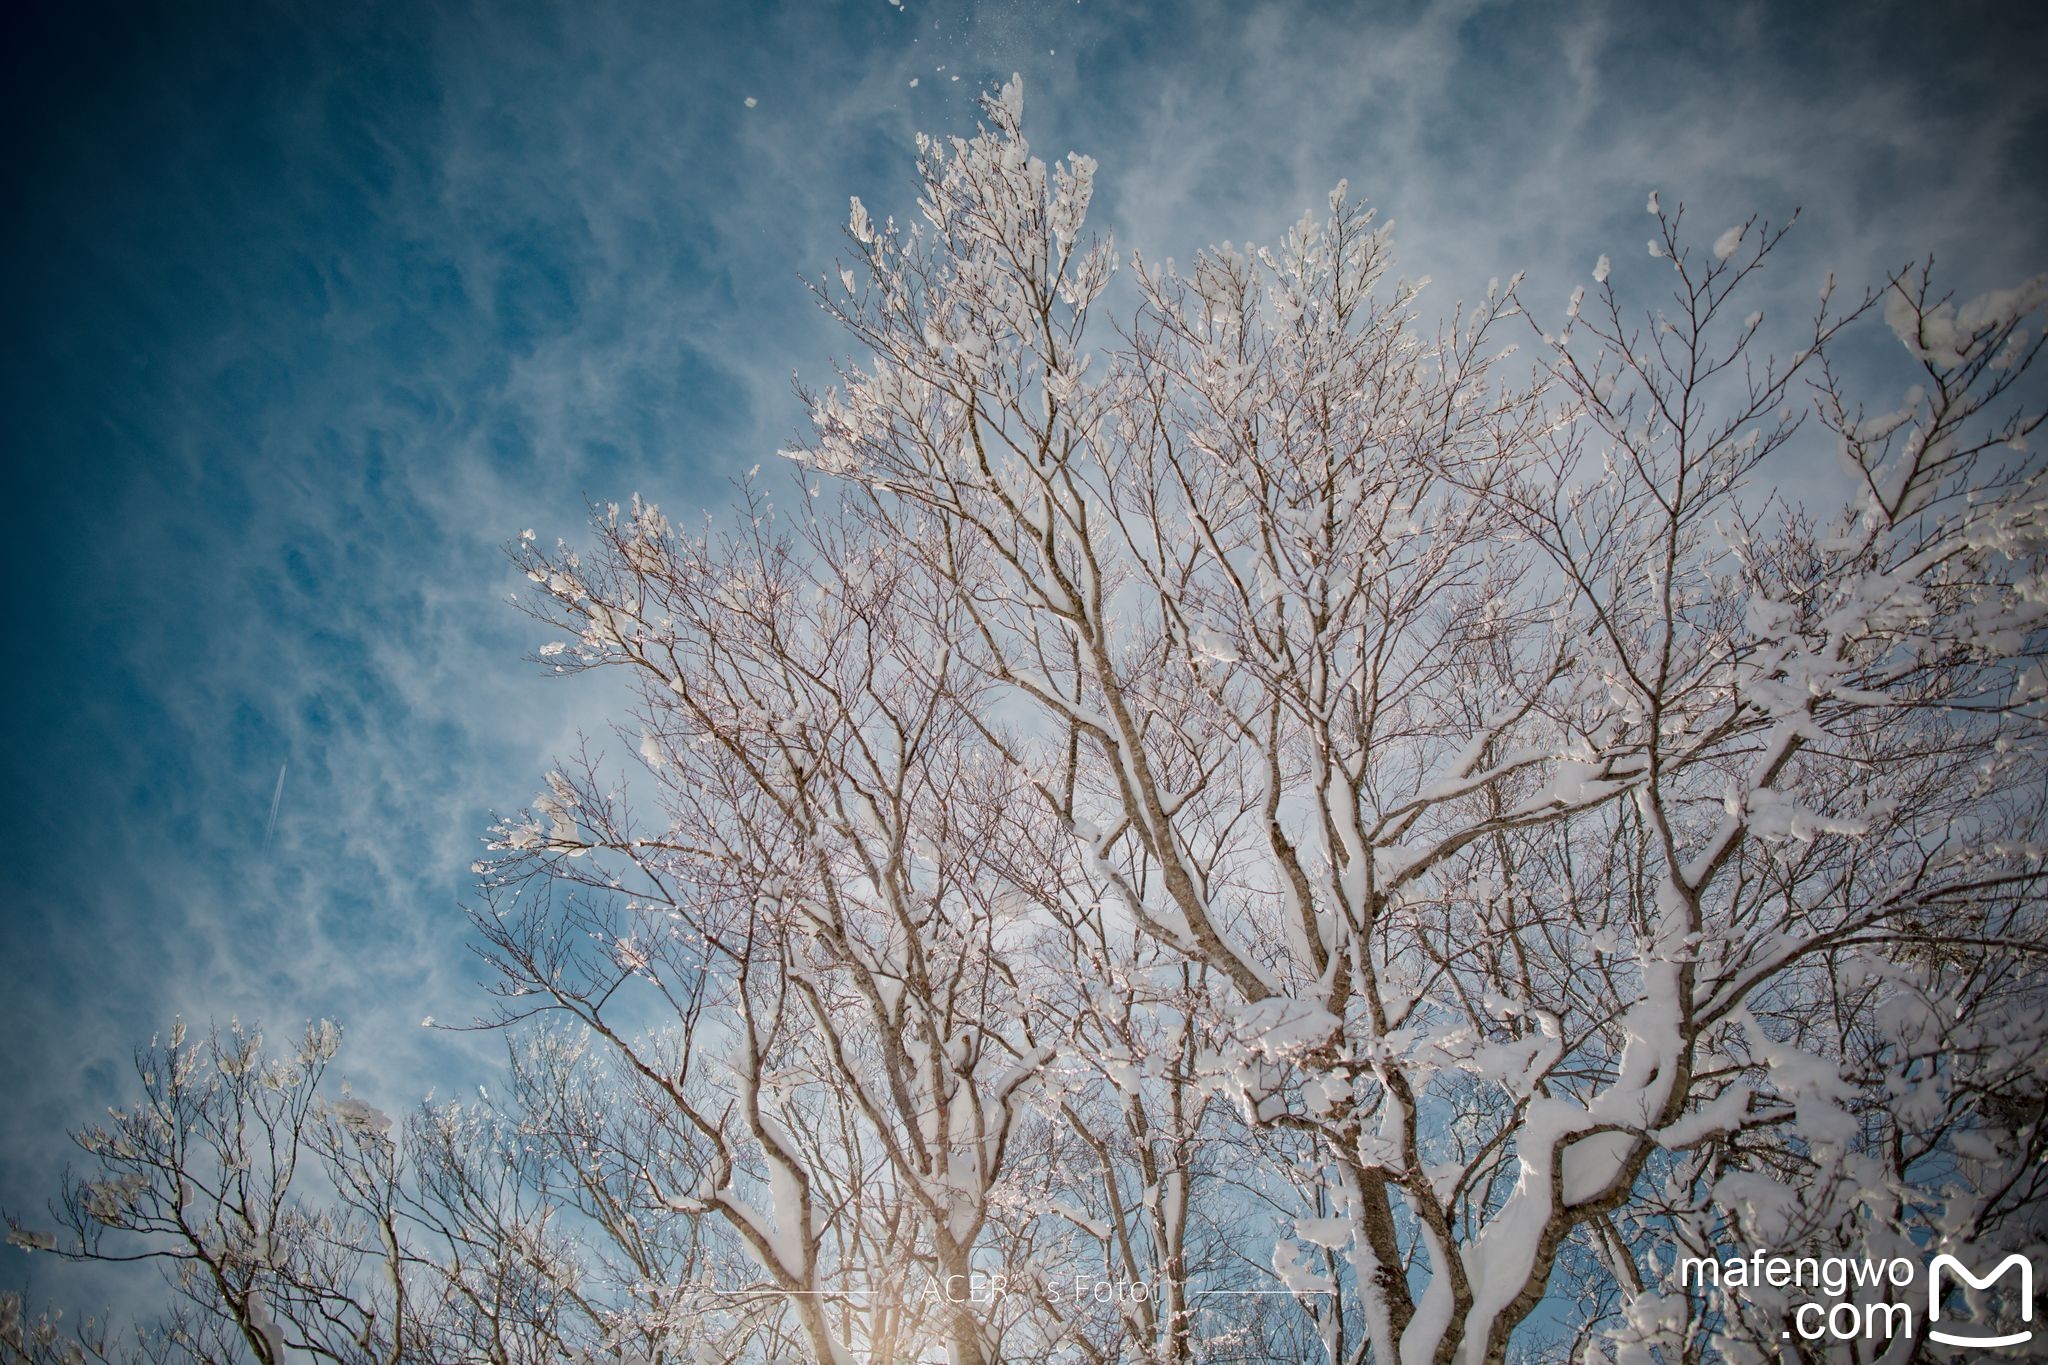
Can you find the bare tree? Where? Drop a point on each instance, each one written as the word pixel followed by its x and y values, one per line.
pixel 293 1223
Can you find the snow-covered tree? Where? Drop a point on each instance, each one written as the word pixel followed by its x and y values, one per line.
pixel 1483 778
pixel 1268 791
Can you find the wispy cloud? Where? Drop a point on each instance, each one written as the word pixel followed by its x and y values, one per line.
pixel 321 309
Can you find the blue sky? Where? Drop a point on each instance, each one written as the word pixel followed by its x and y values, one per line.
pixel 311 308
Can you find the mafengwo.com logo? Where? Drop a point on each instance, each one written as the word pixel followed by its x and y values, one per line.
pixel 1856 1299
pixel 1962 1335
